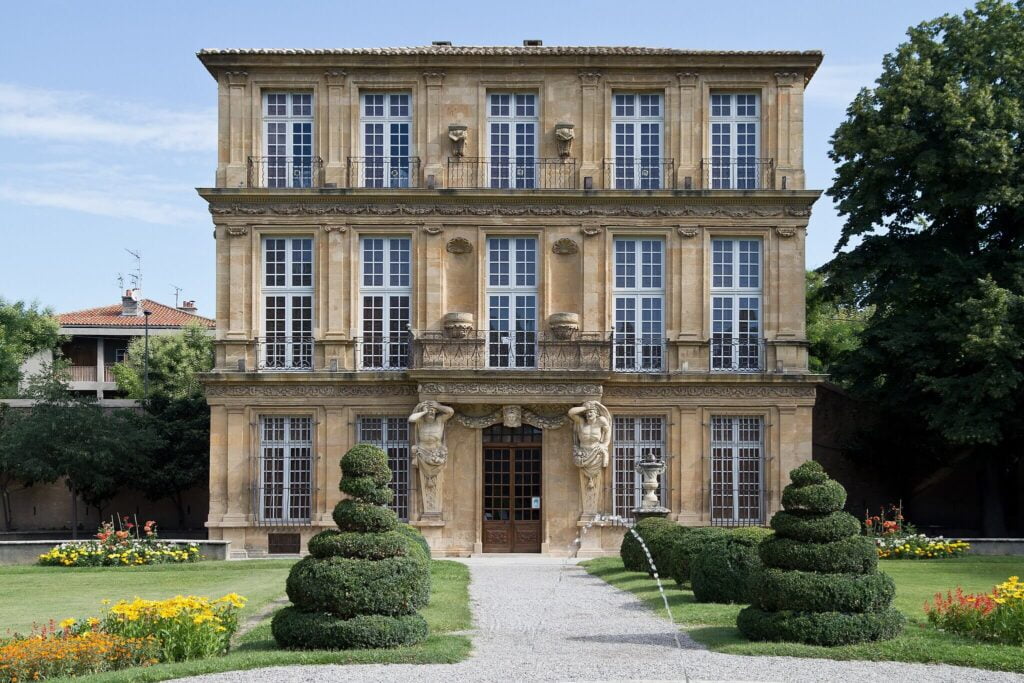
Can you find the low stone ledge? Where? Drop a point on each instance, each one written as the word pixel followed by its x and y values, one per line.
pixel 994 546
pixel 28 552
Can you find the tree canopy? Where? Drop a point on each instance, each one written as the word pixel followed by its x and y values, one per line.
pixel 833 328
pixel 24 330
pixel 174 363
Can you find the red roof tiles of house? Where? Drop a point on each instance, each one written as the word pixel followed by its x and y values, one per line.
pixel 111 316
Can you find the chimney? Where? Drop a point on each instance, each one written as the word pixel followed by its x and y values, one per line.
pixel 188 307
pixel 130 304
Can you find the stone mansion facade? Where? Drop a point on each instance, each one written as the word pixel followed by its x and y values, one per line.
pixel 518 270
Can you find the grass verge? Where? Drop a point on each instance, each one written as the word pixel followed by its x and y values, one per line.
pixel 917 581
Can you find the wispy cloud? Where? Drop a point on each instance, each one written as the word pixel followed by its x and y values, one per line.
pixel 110 204
pixel 81 118
pixel 835 85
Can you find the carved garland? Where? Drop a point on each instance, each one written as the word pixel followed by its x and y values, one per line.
pixel 319 209
pixel 509 388
pixel 498 416
pixel 310 391
pixel 683 391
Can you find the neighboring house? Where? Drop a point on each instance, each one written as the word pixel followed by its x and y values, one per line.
pixel 99 337
pixel 510 232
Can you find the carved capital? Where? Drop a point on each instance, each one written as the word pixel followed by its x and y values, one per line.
pixel 237 78
pixel 788 78
pixel 432 229
pixel 591 230
pixel 433 78
pixel 329 229
pixel 688 231
pixel 590 78
pixel 565 247
pixel 459 245
pixel 785 232
pixel 237 230
pixel 335 78
pixel 688 79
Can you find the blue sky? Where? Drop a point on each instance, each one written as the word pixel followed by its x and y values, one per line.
pixel 107 119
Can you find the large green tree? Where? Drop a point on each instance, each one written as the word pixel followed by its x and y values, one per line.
pixel 174 363
pixel 833 327
pixel 930 180
pixel 24 330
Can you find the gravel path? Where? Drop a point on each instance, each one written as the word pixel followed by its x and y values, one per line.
pixel 538 619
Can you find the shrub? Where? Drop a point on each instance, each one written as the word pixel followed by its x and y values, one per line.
pixel 821 583
pixel 997 616
pixel 361 586
pixel 664 546
pixel 631 551
pixel 750 535
pixel 689 546
pixel 725 570
pixel 64 654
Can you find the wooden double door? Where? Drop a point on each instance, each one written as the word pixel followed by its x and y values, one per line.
pixel 512 489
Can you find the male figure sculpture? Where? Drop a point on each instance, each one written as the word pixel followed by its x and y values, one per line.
pixel 430 452
pixel 593 436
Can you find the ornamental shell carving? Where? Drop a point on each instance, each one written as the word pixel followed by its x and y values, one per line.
pixel 565 247
pixel 458 245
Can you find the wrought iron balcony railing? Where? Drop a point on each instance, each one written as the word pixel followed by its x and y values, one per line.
pixel 738 173
pixel 286 172
pixel 511 173
pixel 638 352
pixel 736 353
pixel 384 172
pixel 639 173
pixel 284 354
pixel 383 352
pixel 503 350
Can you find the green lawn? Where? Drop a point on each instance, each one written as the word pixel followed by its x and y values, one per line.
pixel 916 582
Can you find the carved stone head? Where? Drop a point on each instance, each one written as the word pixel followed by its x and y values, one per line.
pixel 458 134
pixel 565 133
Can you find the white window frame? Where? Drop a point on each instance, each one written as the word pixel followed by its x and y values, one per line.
pixel 632 440
pixel 514 291
pixel 737 470
pixel 735 141
pixel 638 283
pixel 737 303
pixel 393 125
pixel 631 124
pixel 290 348
pixel 286 469
pixel 296 133
pixel 512 125
pixel 391 434
pixel 391 283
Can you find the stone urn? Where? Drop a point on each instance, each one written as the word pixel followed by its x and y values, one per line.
pixel 650 470
pixel 564 326
pixel 457 325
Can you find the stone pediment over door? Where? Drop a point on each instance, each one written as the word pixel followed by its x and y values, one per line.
pixel 510 392
pixel 512 416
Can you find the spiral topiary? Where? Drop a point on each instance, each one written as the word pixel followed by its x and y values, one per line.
pixel 821 583
pixel 362 583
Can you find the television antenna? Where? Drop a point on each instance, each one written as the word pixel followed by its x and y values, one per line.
pixel 120 283
pixel 136 275
pixel 177 291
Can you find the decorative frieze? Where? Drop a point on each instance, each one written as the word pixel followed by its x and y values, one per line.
pixel 511 416
pixel 511 388
pixel 708 391
pixel 261 390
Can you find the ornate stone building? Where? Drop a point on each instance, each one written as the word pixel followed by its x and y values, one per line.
pixel 446 250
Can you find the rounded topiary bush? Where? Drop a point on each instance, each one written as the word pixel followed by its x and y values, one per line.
pixel 413 534
pixel 724 571
pixel 362 584
pixel 631 551
pixel 820 583
pixel 688 547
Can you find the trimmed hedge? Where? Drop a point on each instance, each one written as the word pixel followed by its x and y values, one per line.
pixel 631 551
pixel 347 587
pixel 819 628
pixel 355 515
pixel 751 535
pixel 688 547
pixel 334 543
pixel 810 472
pixel 414 535
pixel 725 570
pixel 366 490
pixel 363 460
pixel 820 498
pixel 295 629
pixel 815 528
pixel 664 547
pixel 852 555
pixel 814 592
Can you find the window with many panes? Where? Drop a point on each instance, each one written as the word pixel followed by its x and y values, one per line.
pixel 737 470
pixel 736 343
pixel 391 435
pixel 635 439
pixel 287 279
pixel 386 291
pixel 639 298
pixel 512 302
pixel 638 137
pixel 285 484
pixel 287 140
pixel 387 140
pixel 512 140
pixel 735 141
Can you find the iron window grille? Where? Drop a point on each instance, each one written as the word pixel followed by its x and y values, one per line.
pixel 284 483
pixel 737 471
pixel 633 439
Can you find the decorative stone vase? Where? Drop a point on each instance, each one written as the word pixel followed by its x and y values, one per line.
pixel 650 470
pixel 564 326
pixel 457 325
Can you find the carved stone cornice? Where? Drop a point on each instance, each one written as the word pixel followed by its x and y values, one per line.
pixel 708 391
pixel 433 78
pixel 261 390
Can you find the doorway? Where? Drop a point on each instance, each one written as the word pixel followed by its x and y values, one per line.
pixel 512 489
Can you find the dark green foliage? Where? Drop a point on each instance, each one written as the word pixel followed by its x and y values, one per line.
pixel 299 630
pixel 689 546
pixel 664 546
pixel 820 582
pixel 24 330
pixel 334 543
pixel 820 628
pixel 814 592
pixel 363 460
pixel 852 555
pixel 725 570
pixel 355 515
pixel 632 552
pixel 361 586
pixel 367 490
pixel 750 535
pixel 819 498
pixel 815 528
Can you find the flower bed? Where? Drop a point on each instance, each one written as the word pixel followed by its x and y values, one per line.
pixel 897 539
pixel 123 547
pixel 54 653
pixel 997 616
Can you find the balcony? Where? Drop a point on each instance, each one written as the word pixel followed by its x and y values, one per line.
pixel 736 354
pixel 638 352
pixel 286 172
pixel 639 173
pixel 284 354
pixel 384 172
pixel 383 352
pixel 499 350
pixel 738 173
pixel 511 173
pixel 83 373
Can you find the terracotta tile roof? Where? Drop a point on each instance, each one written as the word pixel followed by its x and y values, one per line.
pixel 488 50
pixel 110 316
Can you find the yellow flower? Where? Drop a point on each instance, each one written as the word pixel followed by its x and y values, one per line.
pixel 67 623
